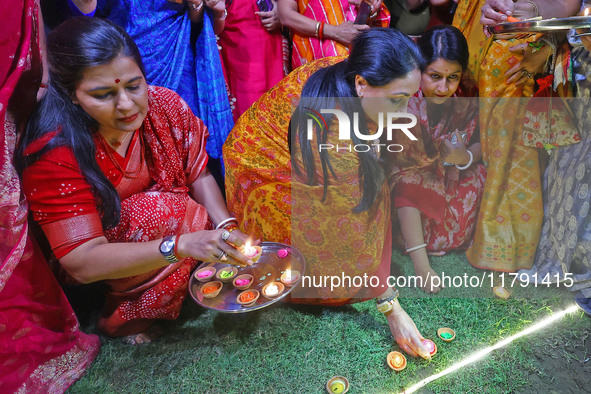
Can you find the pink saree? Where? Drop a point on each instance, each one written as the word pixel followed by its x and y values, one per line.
pixel 253 58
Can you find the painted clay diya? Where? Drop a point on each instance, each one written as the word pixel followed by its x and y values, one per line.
pixel 289 277
pixel 501 292
pixel 446 334
pixel 430 346
pixel 273 290
pixel 252 252
pixel 396 361
pixel 226 274
pixel 205 274
pixel 337 385
pixel 211 289
pixel 243 282
pixel 248 297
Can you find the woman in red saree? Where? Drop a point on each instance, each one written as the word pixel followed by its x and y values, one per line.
pixel 117 179
pixel 437 184
pixel 339 220
pixel 41 346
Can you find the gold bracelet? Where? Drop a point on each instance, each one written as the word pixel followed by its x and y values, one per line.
pixel 317 28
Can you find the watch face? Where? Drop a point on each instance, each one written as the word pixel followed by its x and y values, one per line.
pixel 167 246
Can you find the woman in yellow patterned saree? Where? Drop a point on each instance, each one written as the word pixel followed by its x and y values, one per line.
pixel 335 207
pixel 511 213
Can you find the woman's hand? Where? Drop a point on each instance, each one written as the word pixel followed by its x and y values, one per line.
pixel 531 63
pixel 217 6
pixel 405 332
pixel 209 246
pixel 375 4
pixel 344 33
pixel 586 41
pixel 496 11
pixel 270 19
pixel 454 153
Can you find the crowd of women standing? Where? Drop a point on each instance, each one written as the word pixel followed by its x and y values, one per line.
pixel 140 119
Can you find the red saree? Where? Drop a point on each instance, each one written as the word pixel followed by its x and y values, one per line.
pixel 165 156
pixel 41 346
pixel 447 197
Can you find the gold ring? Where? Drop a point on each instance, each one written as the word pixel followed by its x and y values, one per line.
pixel 526 73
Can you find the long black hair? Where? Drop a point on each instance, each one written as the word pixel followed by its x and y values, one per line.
pixel 444 42
pixel 74 46
pixel 379 55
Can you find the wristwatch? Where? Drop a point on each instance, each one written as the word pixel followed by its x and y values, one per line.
pixel 167 249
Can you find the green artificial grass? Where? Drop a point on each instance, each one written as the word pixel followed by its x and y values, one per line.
pixel 287 348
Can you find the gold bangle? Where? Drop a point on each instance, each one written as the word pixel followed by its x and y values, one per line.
pixel 317 28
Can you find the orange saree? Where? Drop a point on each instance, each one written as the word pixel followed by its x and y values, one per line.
pixel 275 205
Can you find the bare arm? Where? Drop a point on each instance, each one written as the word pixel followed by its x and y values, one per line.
pixel 206 192
pixel 219 14
pixel 98 259
pixel 496 11
pixel 290 17
pixel 196 9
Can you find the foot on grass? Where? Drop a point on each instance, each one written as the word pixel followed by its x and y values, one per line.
pixel 439 253
pixel 146 336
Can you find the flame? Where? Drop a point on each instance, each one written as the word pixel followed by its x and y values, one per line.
pixel 586 12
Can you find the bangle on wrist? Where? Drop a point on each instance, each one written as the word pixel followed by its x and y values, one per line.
pixel 176 247
pixel 224 16
pixel 321 31
pixel 317 29
pixel 225 222
pixel 465 167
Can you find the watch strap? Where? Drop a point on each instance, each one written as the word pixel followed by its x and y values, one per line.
pixel 169 255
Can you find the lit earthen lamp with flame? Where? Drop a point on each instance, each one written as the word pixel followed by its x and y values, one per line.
pixel 289 277
pixel 253 252
pixel 273 290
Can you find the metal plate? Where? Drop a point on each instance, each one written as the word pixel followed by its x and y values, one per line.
pixel 540 26
pixel 267 269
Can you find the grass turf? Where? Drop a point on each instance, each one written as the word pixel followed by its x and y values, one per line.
pixel 287 348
